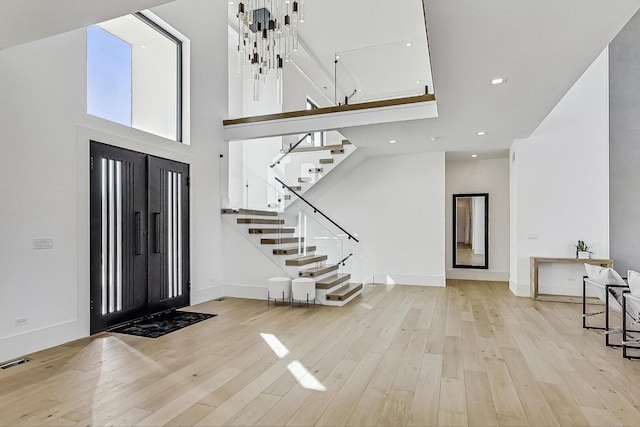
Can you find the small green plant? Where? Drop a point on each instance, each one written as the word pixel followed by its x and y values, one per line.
pixel 582 246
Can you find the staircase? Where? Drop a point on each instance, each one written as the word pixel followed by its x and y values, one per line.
pixel 287 248
pixel 304 166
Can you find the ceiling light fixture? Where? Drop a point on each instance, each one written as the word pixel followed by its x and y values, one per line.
pixel 393 141
pixel 435 138
pixel 498 81
pixel 474 155
pixel 482 133
pixel 408 44
pixel 267 34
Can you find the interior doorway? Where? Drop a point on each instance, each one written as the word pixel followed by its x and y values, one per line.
pixel 139 235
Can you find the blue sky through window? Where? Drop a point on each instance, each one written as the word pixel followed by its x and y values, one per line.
pixel 108 76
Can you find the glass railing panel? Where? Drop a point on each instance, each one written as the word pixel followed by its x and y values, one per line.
pixel 305 228
pixel 391 70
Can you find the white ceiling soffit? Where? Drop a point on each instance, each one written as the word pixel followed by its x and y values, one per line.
pixel 542 46
pixel 22 21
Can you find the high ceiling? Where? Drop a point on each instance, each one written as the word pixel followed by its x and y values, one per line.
pixel 541 46
pixel 22 21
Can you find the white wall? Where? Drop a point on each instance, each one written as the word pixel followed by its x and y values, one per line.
pixel 44 175
pixel 481 176
pixel 560 185
pixel 396 205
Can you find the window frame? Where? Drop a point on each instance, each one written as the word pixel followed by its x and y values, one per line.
pixel 179 81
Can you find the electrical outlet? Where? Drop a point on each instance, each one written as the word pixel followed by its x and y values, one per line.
pixel 21 321
pixel 43 243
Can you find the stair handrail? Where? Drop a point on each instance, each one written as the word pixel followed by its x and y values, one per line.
pixel 316 210
pixel 291 148
pixel 343 260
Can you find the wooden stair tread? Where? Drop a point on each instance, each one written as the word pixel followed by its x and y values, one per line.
pixel 272 230
pixel 320 148
pixel 249 212
pixel 344 292
pixel 293 250
pixel 318 271
pixel 332 281
pixel 326 161
pixel 278 241
pixel 260 221
pixel 304 260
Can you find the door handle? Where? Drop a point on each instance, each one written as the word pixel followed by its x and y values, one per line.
pixel 156 228
pixel 138 222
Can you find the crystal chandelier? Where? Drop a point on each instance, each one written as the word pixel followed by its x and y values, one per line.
pixel 267 34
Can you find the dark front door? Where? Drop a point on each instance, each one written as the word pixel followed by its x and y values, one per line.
pixel 139 235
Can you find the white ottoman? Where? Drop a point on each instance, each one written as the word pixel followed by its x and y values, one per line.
pixel 304 289
pixel 279 287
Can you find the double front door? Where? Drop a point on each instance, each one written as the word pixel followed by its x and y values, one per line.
pixel 139 235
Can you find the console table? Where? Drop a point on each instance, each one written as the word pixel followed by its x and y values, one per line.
pixel 536 261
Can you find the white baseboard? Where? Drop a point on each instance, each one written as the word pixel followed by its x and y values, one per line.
pixel 233 290
pixel 519 289
pixel 406 279
pixel 39 339
pixel 199 296
pixel 477 274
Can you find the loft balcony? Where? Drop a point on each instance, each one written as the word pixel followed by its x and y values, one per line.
pixel 344 71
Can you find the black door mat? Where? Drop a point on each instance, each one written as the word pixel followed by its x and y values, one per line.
pixel 161 324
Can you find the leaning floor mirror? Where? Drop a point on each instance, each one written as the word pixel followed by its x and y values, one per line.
pixel 471 230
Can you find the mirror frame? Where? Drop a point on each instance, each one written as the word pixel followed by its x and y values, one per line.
pixel 485 266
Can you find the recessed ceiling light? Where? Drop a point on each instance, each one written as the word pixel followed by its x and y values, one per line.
pixel 474 155
pixel 359 90
pixel 408 44
pixel 482 133
pixel 498 81
pixel 417 82
pixel 435 138
pixel 393 141
pixel 337 56
pixel 143 46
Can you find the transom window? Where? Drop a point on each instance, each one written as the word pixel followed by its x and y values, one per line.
pixel 134 75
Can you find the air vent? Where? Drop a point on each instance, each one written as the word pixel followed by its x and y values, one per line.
pixel 16 362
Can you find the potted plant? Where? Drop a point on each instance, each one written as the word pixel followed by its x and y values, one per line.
pixel 582 250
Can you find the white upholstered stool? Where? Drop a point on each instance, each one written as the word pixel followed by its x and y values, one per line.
pixel 304 289
pixel 279 287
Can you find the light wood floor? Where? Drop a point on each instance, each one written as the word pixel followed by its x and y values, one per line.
pixel 468 354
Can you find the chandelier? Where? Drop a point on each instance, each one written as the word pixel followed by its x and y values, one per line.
pixel 267 34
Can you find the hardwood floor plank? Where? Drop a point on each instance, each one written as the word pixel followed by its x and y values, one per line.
pixel 396 408
pixel 468 354
pixel 563 406
pixel 407 375
pixel 426 398
pixel 254 410
pixel 536 409
pixel 452 395
pixel 452 419
pixel 480 407
pixel 339 410
pixel 452 365
pixel 190 416
pixel 503 391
